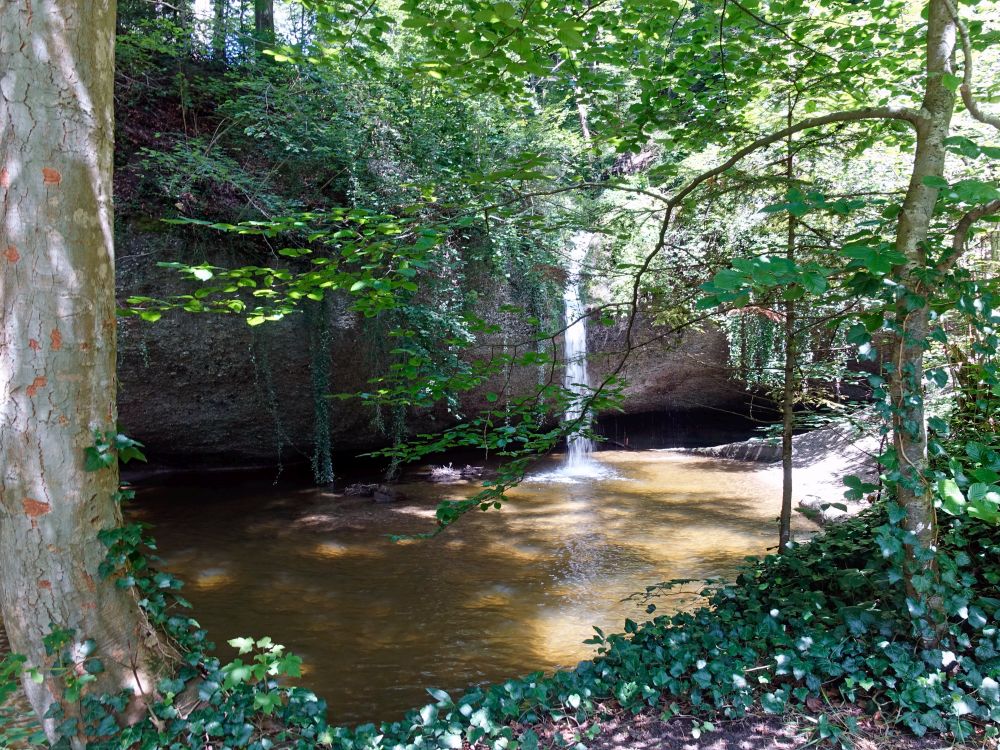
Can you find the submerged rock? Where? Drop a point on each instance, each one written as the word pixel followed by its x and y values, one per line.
pixel 360 489
pixel 448 474
pixel 385 493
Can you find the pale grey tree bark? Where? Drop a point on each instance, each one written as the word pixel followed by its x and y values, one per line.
pixel 910 341
pixel 57 342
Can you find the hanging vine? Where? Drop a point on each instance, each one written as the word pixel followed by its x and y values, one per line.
pixel 264 382
pixel 318 322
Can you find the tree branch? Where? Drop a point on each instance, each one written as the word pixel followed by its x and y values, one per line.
pixel 854 115
pixel 962 230
pixel 966 87
pixel 780 30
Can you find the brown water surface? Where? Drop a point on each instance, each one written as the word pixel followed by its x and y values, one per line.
pixel 501 594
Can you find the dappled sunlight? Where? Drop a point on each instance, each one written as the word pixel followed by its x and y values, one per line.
pixel 501 593
pixel 496 596
pixel 333 550
pixel 212 578
pixel 413 510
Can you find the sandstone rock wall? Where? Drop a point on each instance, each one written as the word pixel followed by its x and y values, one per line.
pixel 209 389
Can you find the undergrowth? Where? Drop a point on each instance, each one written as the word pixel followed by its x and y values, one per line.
pixel 828 620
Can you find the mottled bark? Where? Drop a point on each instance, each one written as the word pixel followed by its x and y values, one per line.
pixel 912 311
pixel 57 341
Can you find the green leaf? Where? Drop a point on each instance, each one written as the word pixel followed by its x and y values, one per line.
pixel 267 702
pixel 975 191
pixel 243 645
pixel 569 35
pixel 933 181
pixel 504 11
pixel 950 497
pixel 439 695
pixel 237 673
pixel 951 82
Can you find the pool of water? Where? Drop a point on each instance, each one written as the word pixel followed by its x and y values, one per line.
pixel 500 594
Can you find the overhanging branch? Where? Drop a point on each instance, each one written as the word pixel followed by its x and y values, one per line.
pixel 904 114
pixel 966 86
pixel 962 230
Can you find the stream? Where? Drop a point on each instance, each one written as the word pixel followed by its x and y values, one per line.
pixel 501 594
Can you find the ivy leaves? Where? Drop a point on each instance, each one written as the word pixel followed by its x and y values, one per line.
pixel 109 448
pixel 974 485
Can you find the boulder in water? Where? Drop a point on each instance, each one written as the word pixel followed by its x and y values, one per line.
pixel 821 511
pixel 450 474
pixel 472 472
pixel 385 493
pixel 444 474
pixel 360 489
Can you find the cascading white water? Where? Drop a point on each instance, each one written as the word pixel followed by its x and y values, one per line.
pixel 576 380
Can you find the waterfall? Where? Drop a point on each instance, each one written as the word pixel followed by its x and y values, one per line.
pixel 576 379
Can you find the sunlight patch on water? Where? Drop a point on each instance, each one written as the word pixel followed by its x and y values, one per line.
pixel 332 550
pixel 499 594
pixel 413 510
pixel 213 578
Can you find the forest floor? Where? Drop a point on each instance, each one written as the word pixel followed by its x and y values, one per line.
pixel 647 731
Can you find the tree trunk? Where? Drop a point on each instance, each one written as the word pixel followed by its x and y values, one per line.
pixel 789 389
pixel 57 344
pixel 219 31
pixel 912 312
pixel 581 111
pixel 263 23
pixel 184 14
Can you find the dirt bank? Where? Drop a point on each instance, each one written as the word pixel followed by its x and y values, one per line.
pixel 821 459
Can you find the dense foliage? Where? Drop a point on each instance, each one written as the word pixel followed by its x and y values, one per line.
pixel 799 172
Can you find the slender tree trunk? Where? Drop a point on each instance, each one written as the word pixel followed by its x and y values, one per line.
pixel 184 13
pixel 789 389
pixel 57 343
pixel 304 25
pixel 263 23
pixel 912 311
pixel 219 30
pixel 581 111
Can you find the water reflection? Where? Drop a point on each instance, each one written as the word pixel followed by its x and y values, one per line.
pixel 501 594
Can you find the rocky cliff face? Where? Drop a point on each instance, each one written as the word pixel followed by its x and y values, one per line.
pixel 209 389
